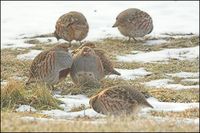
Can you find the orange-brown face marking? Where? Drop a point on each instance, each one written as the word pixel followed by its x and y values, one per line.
pixel 86 51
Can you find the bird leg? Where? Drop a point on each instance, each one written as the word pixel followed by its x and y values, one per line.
pixel 51 87
pixel 70 44
pixel 134 39
pixel 129 39
pixel 80 43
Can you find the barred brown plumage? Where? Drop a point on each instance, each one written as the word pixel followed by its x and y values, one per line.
pixel 118 100
pixel 134 23
pixel 106 62
pixel 71 26
pixel 51 66
pixel 87 69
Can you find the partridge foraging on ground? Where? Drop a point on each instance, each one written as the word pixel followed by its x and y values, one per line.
pixel 118 100
pixel 51 66
pixel 107 64
pixel 134 23
pixel 71 26
pixel 87 69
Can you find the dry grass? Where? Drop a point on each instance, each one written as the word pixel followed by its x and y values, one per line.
pixel 167 95
pixel 188 113
pixel 15 93
pixel 39 97
pixel 116 124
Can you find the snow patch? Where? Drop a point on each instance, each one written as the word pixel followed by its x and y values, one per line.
pixel 29 56
pixel 155 42
pixel 20 19
pixel 185 75
pixel 25 108
pixel 130 74
pixel 168 106
pixel 3 83
pixel 71 115
pixel 164 83
pixel 15 43
pixel 190 80
pixel 163 55
pixel 71 101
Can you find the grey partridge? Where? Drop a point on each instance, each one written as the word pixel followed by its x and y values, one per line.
pixel 71 26
pixel 51 66
pixel 119 100
pixel 87 69
pixel 106 62
pixel 134 23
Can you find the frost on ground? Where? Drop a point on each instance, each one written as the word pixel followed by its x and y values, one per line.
pixel 130 74
pixel 163 55
pixel 164 83
pixel 30 55
pixel 25 108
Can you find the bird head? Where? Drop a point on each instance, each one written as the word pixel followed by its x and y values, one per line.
pixel 86 51
pixel 56 36
pixel 62 47
pixel 89 44
pixel 116 23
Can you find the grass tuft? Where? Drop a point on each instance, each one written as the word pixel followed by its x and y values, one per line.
pixel 15 93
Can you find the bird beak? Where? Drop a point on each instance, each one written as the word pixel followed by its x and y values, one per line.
pixel 115 25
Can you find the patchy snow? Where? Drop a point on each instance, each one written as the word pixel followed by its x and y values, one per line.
pixel 130 74
pixel 168 106
pixel 15 43
pixel 158 83
pixel 71 101
pixel 29 56
pixel 71 115
pixel 155 42
pixel 3 83
pixel 163 55
pixel 22 18
pixel 25 108
pixel 190 80
pixel 185 75
pixel 164 83
pixel 33 119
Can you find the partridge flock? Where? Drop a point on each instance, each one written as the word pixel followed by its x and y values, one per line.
pixel 88 64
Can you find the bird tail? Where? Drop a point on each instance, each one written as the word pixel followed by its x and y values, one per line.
pixel 115 72
pixel 149 105
pixel 29 81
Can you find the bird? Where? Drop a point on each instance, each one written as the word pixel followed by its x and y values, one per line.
pixel 71 26
pixel 118 100
pixel 134 22
pixel 51 66
pixel 106 62
pixel 87 69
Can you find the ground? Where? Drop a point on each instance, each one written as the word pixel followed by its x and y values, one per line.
pixel 164 68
